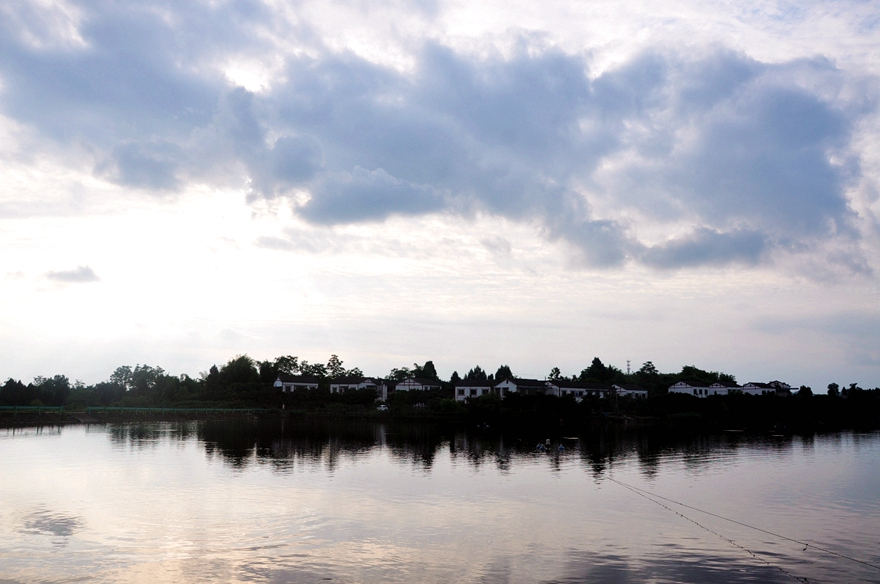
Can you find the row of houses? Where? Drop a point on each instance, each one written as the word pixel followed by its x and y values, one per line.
pixel 559 387
pixel 290 383
pixel 701 389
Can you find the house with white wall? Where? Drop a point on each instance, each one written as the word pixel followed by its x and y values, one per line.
pixel 630 390
pixel 417 384
pixel 473 389
pixel 289 383
pixel 578 389
pixel 343 384
pixel 772 388
pixel 695 388
pixel 521 386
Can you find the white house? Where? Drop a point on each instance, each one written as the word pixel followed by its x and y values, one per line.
pixel 521 386
pixel 417 384
pixel 578 389
pixel 343 384
pixel 772 388
pixel 288 383
pixel 474 388
pixel 699 388
pixel 630 390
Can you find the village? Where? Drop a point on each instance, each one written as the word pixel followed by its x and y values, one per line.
pixel 476 388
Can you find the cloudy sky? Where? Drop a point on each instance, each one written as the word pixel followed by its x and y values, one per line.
pixel 468 182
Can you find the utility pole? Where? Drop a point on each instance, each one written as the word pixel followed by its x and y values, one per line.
pixel 627 366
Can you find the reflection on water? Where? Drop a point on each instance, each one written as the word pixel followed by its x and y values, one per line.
pixel 314 501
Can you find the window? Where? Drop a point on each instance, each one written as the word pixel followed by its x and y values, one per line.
pixel 461 392
pixel 473 392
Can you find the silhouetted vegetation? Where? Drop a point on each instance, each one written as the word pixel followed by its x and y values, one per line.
pixel 243 382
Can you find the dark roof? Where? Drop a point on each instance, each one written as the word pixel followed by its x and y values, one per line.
pixel 285 378
pixel 693 382
pixel 580 384
pixel 353 379
pixel 726 384
pixel 476 383
pixel 521 382
pixel 422 380
pixel 761 385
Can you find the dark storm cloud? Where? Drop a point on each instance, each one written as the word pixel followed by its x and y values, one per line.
pixel 740 149
pixel 81 274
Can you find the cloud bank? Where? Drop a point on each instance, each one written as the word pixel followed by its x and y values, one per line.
pixel 668 159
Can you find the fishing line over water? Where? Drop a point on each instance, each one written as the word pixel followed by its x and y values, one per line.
pixel 653 496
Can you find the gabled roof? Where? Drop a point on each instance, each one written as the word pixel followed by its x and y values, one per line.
pixel 522 382
pixel 353 380
pixel 421 380
pixel 725 384
pixel 691 382
pixel 563 383
pixel 476 383
pixel 285 378
pixel 761 385
pixel 629 386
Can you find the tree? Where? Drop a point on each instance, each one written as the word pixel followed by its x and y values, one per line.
pixel 455 379
pixel 648 369
pixel 555 374
pixel 805 391
pixel 288 364
pixel 429 372
pixel 335 368
pixel 833 389
pixel 316 370
pixel 475 374
pixel 122 377
pixel 16 393
pixel 400 373
pixel 54 390
pixel 241 369
pixel 596 371
pixel 503 373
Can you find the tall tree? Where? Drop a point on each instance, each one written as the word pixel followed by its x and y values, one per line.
pixel 429 372
pixel 503 373
pixel 335 369
pixel 400 373
pixel 475 374
pixel 288 364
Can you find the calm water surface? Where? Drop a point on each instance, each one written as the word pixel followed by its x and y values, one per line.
pixel 314 502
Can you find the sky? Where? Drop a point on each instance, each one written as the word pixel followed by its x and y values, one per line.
pixel 534 184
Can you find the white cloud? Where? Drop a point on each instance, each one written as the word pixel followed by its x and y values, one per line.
pixel 317 155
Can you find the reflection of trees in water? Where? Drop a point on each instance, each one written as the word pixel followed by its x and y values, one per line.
pixel 285 443
pixel 149 434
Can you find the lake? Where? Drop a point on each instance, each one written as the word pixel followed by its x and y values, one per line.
pixel 312 501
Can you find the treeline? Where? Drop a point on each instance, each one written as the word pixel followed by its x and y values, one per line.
pixel 647 376
pixel 244 381
pixel 240 382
